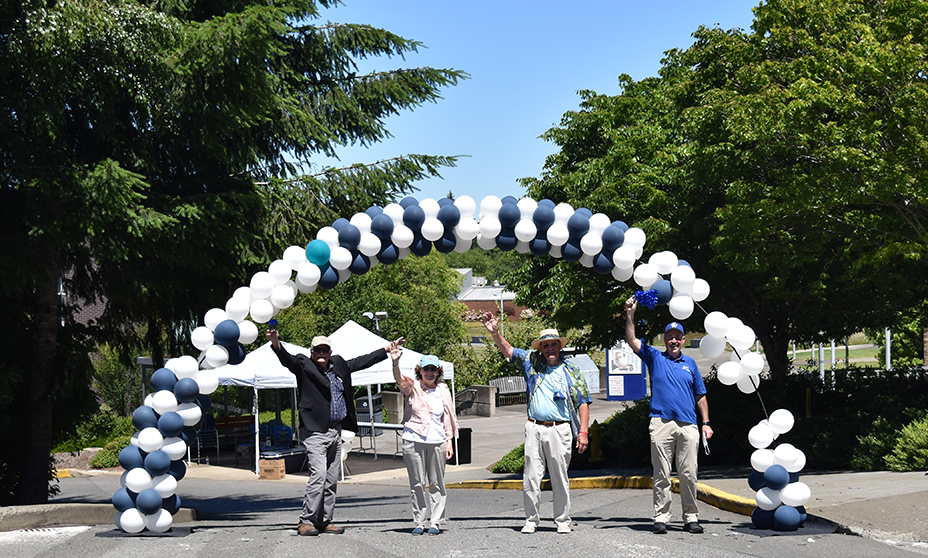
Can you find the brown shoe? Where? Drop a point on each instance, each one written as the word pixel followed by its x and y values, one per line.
pixel 307 530
pixel 331 529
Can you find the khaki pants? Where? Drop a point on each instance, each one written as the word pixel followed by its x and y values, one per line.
pixel 673 439
pixel 547 447
pixel 425 464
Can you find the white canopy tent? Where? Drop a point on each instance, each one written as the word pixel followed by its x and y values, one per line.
pixel 262 370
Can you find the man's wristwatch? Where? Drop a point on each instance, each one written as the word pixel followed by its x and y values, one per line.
pixel 707 423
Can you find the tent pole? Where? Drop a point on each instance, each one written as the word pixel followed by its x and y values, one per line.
pixel 370 412
pixel 254 411
pixel 454 405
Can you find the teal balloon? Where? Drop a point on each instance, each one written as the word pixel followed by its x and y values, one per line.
pixel 318 252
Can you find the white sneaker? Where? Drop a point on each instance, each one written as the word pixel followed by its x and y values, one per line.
pixel 528 528
pixel 563 528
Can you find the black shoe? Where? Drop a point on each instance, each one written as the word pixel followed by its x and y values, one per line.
pixel 660 528
pixel 693 527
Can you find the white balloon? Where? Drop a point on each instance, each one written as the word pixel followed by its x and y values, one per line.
pixel 700 290
pixel 526 230
pixel 164 402
pixel 586 260
pixel 165 484
pixel 665 262
pixel 682 279
pixel 634 238
pixel 760 436
pixel 394 211
pixel 463 245
pixel 527 207
pixel 282 296
pixel 344 275
pixel 402 236
pixel 340 258
pixel 237 308
pixel 295 256
pixel 486 242
pixel 403 252
pixel 741 337
pixel 131 520
pixel 328 235
pixel 734 322
pixel 214 317
pixel 467 228
pixel 148 400
pixel 134 440
pixel 217 355
pixel 150 439
pixel 430 207
pixel 785 455
pixel 160 521
pixel 623 275
pixel 175 447
pixel 762 459
pixel 183 367
pixel 490 226
pixel 208 380
pixel 795 494
pixel 562 213
pixel 624 257
pixel 261 285
pixel 466 205
pixel 201 337
pixel 489 207
pixel 304 288
pixel 242 292
pixel 711 346
pixel 681 306
pixel 591 243
pixel 190 412
pixel 555 251
pixel 752 363
pixel 261 311
pixel 370 244
pixel 781 421
pixel 523 247
pixel 557 234
pixel 799 463
pixel 729 372
pixel 247 332
pixel 645 275
pixel 716 324
pixel 748 383
pixel 308 274
pixel 432 229
pixel 767 498
pixel 362 221
pixel 280 272
pixel 599 222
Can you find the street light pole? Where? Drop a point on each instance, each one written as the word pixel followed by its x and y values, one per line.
pixel 376 316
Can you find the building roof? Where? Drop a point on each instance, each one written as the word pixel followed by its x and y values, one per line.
pixel 475 294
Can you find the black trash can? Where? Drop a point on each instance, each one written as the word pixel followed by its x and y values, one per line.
pixel 463 457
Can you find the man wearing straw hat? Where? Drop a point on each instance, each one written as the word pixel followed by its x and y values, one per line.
pixel 677 393
pixel 558 410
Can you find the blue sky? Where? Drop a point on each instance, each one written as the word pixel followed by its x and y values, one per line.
pixel 527 61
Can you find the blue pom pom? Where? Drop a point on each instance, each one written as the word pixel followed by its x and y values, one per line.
pixel 647 298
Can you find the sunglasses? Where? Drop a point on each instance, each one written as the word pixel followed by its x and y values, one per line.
pixel 321 351
pixel 552 344
pixel 430 368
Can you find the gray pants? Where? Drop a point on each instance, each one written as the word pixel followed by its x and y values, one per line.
pixel 426 462
pixel 324 452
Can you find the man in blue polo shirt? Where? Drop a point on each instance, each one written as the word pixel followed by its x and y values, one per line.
pixel 677 393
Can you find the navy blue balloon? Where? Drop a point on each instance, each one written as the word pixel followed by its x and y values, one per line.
pixel 189 435
pixel 349 237
pixel 131 457
pixel 382 226
pixel 236 353
pixel 756 481
pixel 776 477
pixel 171 504
pixel 543 217
pixel 420 246
pixel 571 252
pixel 360 265
pixel 793 477
pixel 539 246
pixel 509 200
pixel 204 403
pixel 507 241
pixel 446 243
pixel 613 237
pixel 329 278
pixel 389 254
pixel 578 225
pixel 445 201
pixel 148 501
pixel 226 333
pixel 547 203
pixel 762 519
pixel 408 201
pixel 509 215
pixel 124 499
pixel 157 463
pixel 178 469
pixel 171 424
pixel 802 515
pixel 602 263
pixel 163 378
pixel 664 291
pixel 373 211
pixel 145 417
pixel 186 390
pixel 585 212
pixel 340 223
pixel 621 225
pixel 449 216
pixel 786 518
pixel 413 217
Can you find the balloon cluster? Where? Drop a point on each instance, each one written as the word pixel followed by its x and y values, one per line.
pixel 779 495
pixel 745 366
pixel 154 459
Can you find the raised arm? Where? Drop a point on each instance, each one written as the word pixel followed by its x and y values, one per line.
pixel 493 327
pixel 630 305
pixel 395 353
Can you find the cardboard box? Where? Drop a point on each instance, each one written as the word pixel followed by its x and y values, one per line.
pixel 272 469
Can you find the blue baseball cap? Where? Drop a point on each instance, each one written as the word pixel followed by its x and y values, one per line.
pixel 429 360
pixel 674 325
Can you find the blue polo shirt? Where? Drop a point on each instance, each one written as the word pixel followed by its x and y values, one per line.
pixel 675 384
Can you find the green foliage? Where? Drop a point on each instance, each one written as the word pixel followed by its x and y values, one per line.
pixel 97 431
pixel 512 462
pixel 625 437
pixel 911 449
pixel 874 446
pixel 493 264
pixel 116 383
pixel 109 456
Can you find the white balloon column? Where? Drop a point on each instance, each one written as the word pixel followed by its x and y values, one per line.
pixel 386 235
pixel 780 496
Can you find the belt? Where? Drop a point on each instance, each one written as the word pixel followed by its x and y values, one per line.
pixel 547 422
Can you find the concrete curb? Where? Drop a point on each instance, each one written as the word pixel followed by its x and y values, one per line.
pixel 48 515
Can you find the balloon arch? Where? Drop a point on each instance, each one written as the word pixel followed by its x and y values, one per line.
pixel 154 460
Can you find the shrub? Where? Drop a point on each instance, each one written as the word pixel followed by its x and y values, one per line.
pixel 97 430
pixel 109 456
pixel 911 448
pixel 512 462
